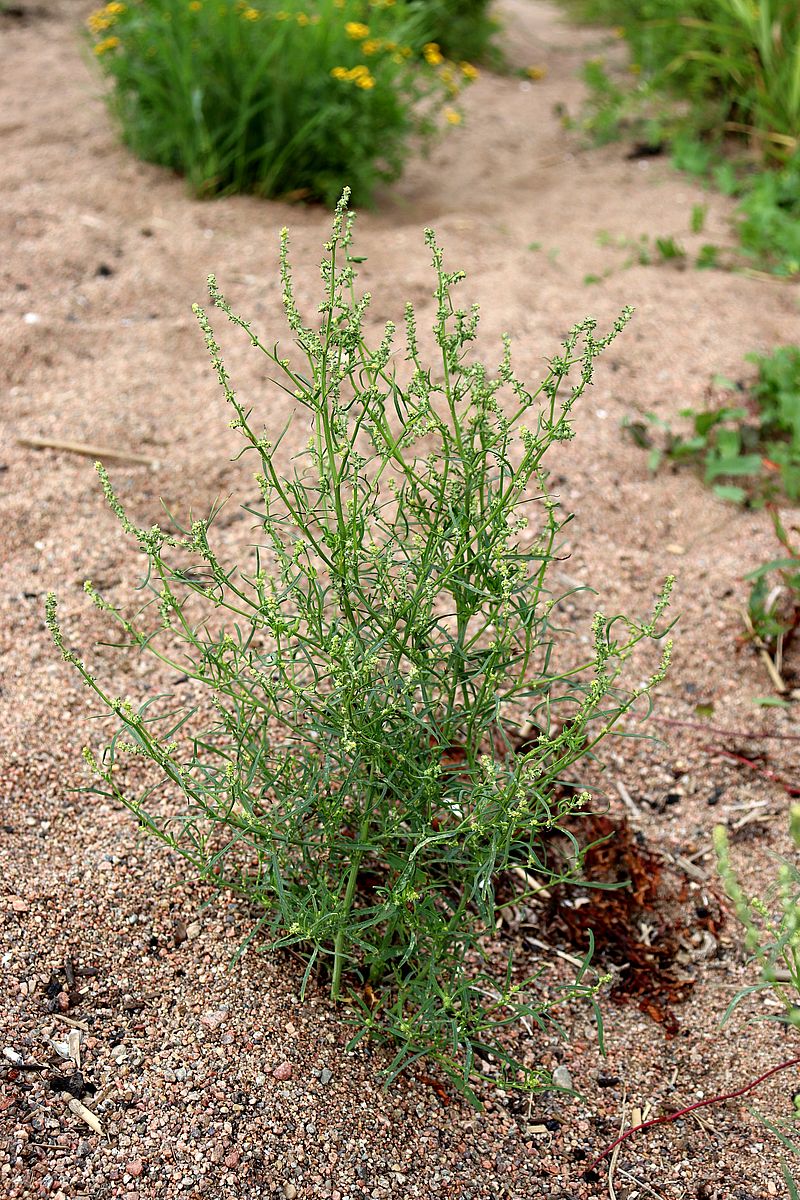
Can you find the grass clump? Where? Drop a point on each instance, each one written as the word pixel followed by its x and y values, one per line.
pixel 719 81
pixel 733 64
pixel 748 452
pixel 358 767
pixel 278 98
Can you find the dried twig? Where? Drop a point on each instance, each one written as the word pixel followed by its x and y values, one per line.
pixel 688 867
pixel 71 1021
pixel 772 668
pixel 640 1183
pixel 84 448
pixel 85 1115
pixel 612 1166
pixel 627 799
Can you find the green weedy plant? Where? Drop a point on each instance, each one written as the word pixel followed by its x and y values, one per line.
pixel 773 608
pixel 757 443
pixel 706 73
pixel 358 770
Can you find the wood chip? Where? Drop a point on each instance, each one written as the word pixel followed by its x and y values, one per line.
pixel 83 1112
pixel 71 1021
pixel 628 800
pixel 688 867
pixel 74 1043
pixel 86 449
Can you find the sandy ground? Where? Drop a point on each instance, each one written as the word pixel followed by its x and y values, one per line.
pixel 102 257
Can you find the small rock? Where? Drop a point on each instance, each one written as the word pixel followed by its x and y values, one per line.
pixel 325 1076
pixel 562 1077
pixel 31 318
pixel 289 1191
pixel 18 905
pixel 135 1168
pixel 193 930
pixel 284 1071
pixel 213 1020
pixel 232 1159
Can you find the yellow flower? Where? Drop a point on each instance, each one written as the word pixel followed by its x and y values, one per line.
pixel 537 72
pixel 468 71
pixel 115 8
pixel 97 22
pixel 452 116
pixel 302 18
pixel 372 46
pixel 366 82
pixel 340 73
pixel 251 14
pixel 432 53
pixel 107 44
pixel 356 30
pixel 195 6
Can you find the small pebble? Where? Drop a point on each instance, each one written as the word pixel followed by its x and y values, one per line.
pixel 135 1168
pixel 284 1071
pixel 325 1076
pixel 562 1077
pixel 213 1020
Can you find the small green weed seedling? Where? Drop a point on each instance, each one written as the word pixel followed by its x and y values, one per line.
pixel 756 443
pixel 357 768
pixel 773 609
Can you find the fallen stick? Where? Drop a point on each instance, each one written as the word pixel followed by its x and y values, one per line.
pixel 89 451
pixel 83 1112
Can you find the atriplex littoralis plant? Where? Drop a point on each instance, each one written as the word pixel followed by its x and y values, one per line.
pixel 360 776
